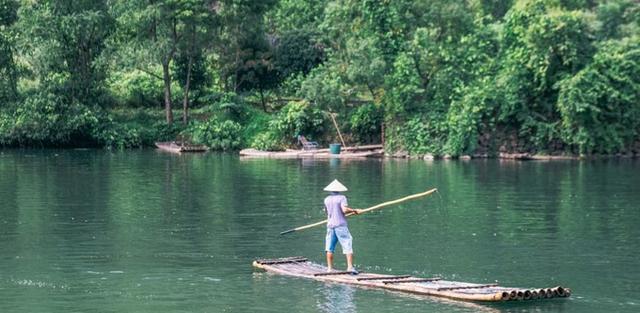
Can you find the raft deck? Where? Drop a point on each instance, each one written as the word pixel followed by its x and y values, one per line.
pixel 346 153
pixel 178 147
pixel 431 286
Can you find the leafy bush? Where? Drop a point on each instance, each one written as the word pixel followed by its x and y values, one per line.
pixel 257 122
pixel 463 120
pixel 218 135
pixel 542 46
pixel 115 135
pixel 599 106
pixel 229 106
pixel 424 134
pixel 366 123
pixel 298 118
pixel 136 89
pixel 133 128
pixel 45 119
pixel 8 68
pixel 324 87
pixel 267 141
pixel 6 128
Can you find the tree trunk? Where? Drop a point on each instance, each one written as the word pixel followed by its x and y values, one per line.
pixel 373 94
pixel 185 101
pixel 167 91
pixel 264 105
pixel 382 135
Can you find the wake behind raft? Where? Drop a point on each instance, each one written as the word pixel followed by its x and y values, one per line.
pixel 431 286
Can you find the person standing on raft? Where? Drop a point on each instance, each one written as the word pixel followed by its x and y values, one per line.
pixel 337 230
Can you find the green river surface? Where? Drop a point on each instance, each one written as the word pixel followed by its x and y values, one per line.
pixel 146 231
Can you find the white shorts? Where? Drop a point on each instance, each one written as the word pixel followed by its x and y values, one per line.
pixel 340 233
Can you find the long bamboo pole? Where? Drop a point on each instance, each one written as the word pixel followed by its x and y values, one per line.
pixel 375 207
pixel 333 118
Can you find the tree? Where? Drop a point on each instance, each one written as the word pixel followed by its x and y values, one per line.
pixel 496 8
pixel 612 17
pixel 541 46
pixel 62 42
pixel 190 70
pixel 200 24
pixel 152 33
pixel 296 15
pixel 245 52
pixel 297 52
pixel 8 68
pixel 257 72
pixel 600 105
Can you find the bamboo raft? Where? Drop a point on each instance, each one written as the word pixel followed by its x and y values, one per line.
pixel 180 147
pixel 432 286
pixel 370 151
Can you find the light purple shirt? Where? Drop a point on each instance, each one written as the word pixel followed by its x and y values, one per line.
pixel 333 204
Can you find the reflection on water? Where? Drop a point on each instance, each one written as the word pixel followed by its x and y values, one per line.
pixel 142 231
pixel 336 299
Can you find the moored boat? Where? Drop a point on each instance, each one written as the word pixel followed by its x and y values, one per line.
pixel 369 151
pixel 180 147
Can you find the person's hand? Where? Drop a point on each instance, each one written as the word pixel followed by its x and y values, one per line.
pixel 358 211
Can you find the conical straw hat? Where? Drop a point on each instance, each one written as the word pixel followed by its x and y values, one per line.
pixel 335 186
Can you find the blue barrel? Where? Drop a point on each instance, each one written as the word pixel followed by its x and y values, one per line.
pixel 334 148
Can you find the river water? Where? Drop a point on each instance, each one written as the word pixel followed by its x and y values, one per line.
pixel 146 231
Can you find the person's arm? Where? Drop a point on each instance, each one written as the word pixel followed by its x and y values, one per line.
pixel 347 210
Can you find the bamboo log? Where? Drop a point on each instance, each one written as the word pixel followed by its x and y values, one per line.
pixel 534 295
pixel 375 207
pixel 527 295
pixel 383 277
pixel 333 273
pixel 415 280
pixel 282 260
pixel 551 293
pixel 542 293
pixel 467 287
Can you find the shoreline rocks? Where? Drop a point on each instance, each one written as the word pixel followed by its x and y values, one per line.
pixel 509 156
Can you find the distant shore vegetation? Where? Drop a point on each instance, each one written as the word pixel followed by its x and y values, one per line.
pixel 433 77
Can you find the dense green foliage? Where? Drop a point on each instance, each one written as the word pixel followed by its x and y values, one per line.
pixel 8 69
pixel 426 77
pixel 219 135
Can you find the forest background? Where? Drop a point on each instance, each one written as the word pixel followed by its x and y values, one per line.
pixel 437 77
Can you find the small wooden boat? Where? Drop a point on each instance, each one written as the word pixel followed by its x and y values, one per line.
pixel 180 147
pixel 432 286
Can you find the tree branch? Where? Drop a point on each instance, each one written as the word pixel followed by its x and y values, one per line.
pixel 149 73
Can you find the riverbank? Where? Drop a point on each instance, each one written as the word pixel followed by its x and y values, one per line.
pixel 513 156
pixel 141 128
pixel 378 152
pixel 372 153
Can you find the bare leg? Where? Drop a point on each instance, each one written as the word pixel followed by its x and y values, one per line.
pixel 349 261
pixel 330 260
